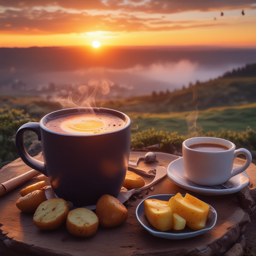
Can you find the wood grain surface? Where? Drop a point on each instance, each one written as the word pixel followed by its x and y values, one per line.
pixel 19 236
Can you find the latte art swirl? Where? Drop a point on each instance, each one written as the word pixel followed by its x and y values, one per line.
pixel 86 124
pixel 83 125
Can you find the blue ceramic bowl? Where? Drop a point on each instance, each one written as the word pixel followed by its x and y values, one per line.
pixel 172 234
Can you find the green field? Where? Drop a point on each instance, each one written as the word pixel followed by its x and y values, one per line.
pixel 235 118
pixel 229 118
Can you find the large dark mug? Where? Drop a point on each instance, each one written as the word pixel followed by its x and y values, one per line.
pixel 81 168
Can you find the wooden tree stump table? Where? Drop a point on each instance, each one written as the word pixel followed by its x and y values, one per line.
pixel 19 236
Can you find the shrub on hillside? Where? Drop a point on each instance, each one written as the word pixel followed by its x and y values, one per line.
pixel 10 121
pixel 168 140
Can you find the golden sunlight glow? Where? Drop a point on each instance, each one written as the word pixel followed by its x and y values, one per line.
pixel 95 44
pixel 218 36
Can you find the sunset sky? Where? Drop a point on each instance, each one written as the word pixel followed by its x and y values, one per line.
pixel 127 22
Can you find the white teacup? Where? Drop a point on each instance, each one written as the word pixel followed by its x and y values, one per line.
pixel 212 167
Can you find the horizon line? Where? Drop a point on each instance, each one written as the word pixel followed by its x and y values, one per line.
pixel 136 46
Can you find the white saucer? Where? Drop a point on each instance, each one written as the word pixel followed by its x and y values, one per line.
pixel 176 173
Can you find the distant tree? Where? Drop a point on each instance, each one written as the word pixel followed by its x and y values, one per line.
pixel 154 94
pixel 18 85
pixel 51 87
pixel 227 74
pixel 197 82
pixel 183 87
pixel 248 70
pixel 167 92
pixel 161 93
pixel 190 84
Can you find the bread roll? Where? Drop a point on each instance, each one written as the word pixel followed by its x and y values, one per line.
pixel 51 214
pixel 82 222
pixel 31 201
pixel 110 211
pixel 132 180
pixel 31 188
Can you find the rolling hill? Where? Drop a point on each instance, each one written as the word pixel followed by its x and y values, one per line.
pixel 234 88
pixel 227 102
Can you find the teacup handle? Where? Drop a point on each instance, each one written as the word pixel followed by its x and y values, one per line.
pixel 242 168
pixel 27 159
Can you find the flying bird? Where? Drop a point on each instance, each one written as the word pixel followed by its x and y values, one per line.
pixel 214 18
pixel 242 12
pixel 222 14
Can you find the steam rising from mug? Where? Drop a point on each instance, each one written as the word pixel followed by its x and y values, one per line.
pixel 193 129
pixel 85 95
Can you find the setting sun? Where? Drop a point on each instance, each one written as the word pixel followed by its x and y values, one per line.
pixel 96 44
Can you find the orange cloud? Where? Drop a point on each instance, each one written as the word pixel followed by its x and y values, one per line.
pixel 150 6
pixel 60 22
pixel 131 22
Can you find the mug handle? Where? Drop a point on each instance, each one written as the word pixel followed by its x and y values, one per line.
pixel 242 168
pixel 27 159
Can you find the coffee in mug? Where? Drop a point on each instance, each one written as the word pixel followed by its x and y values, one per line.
pixel 84 158
pixel 85 123
pixel 209 161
